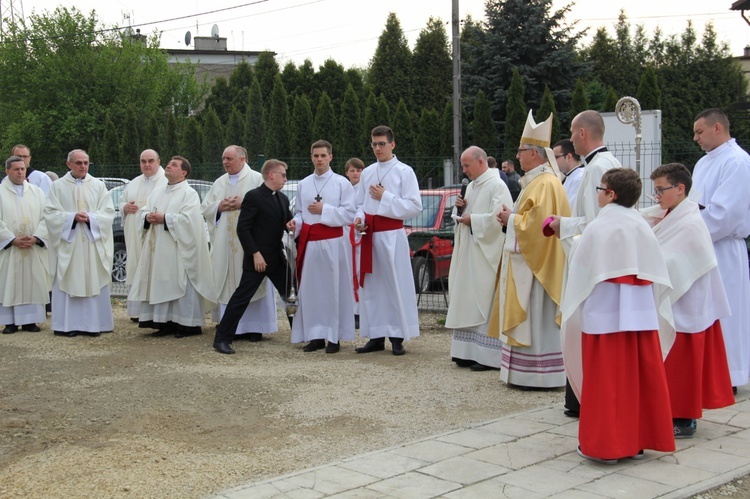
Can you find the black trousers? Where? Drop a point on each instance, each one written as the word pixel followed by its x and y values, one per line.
pixel 571 402
pixel 250 281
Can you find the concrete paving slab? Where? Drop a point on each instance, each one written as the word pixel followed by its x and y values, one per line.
pixel 476 438
pixel 464 470
pixel 414 485
pixel 543 480
pixel 618 485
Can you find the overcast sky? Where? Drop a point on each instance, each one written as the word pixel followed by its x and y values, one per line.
pixel 347 30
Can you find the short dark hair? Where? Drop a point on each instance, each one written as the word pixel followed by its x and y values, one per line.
pixel 712 116
pixel 512 161
pixel 382 130
pixel 566 146
pixel 354 163
pixel 322 143
pixel 626 183
pixel 675 173
pixel 491 162
pixel 184 164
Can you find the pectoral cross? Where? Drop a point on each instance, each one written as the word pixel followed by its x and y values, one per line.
pixel 318 198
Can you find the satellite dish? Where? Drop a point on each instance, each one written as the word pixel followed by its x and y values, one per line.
pixel 215 31
pixel 188 37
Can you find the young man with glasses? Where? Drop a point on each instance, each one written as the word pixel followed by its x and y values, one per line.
pixel 696 366
pixel 388 196
pixel 570 166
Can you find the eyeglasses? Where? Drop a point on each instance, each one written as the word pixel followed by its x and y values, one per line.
pixel 603 189
pixel 23 156
pixel 558 156
pixel 375 145
pixel 80 163
pixel 522 149
pixel 659 191
pixel 283 174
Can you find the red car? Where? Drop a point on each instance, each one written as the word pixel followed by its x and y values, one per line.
pixel 431 237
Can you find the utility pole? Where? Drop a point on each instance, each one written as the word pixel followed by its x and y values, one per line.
pixel 10 11
pixel 456 92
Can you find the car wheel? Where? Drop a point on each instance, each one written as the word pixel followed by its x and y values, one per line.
pixel 118 263
pixel 422 274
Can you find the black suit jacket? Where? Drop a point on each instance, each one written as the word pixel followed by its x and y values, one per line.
pixel 261 224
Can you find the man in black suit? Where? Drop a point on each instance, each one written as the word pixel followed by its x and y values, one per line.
pixel 263 218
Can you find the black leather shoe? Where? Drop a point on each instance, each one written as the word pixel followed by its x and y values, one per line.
pixel 90 333
pixel 69 334
pixel 223 347
pixel 314 345
pixel 398 348
pixel 463 362
pixel 570 414
pixel 10 329
pixel 32 328
pixel 376 345
pixel 480 367
pixel 332 347
pixel 253 337
pixel 134 319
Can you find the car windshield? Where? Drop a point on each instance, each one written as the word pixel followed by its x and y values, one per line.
pixel 116 194
pixel 426 219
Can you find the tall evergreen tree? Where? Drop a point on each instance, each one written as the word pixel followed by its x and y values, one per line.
pixel 239 82
pixel 277 137
pixel 403 130
pixel 130 140
pixel 515 117
pixel 255 123
pixel 220 99
pixel 446 131
pixel 152 139
pixel 369 121
pixel 579 102
pixel 192 141
pixel 649 94
pixel 109 153
pixel 428 139
pixel 384 112
pixel 302 127
pixel 485 134
pixel 266 69
pixel 213 137
pixel 325 125
pixel 433 68
pixel 546 108
pixel 171 144
pixel 235 131
pixel 610 102
pixel 331 78
pixel 350 126
pixel 391 66
pixel 529 36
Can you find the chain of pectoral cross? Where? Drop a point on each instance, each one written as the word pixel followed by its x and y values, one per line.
pixel 317 197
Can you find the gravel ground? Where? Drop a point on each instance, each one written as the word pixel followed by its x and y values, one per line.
pixel 128 415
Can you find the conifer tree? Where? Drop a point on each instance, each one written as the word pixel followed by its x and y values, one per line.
pixel 369 121
pixel 235 133
pixel 152 140
pixel 609 103
pixel 302 126
pixel 255 137
pixel 391 66
pixel 579 102
pixel 546 108
pixel 515 117
pixel 350 126
pixel 649 94
pixel 171 144
pixel 277 137
pixel 428 139
pixel 403 130
pixel 192 141
pixel 213 137
pixel 130 142
pixel 325 125
pixel 109 154
pixel 485 134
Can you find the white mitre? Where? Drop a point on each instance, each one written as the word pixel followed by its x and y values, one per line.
pixel 540 135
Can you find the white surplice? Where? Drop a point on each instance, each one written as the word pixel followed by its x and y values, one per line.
pixel 720 183
pixel 326 301
pixel 388 301
pixel 26 280
pixel 83 253
pixel 227 253
pixel 477 251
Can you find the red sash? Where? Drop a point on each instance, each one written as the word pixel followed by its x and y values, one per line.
pixel 630 279
pixel 353 240
pixel 310 233
pixel 375 223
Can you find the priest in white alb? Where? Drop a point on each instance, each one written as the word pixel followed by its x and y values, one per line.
pixel 221 209
pixel 477 250
pixel 24 263
pixel 79 215
pixel 173 280
pixel 134 196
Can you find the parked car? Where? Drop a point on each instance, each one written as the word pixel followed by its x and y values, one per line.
pixel 112 182
pixel 120 258
pixel 430 237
